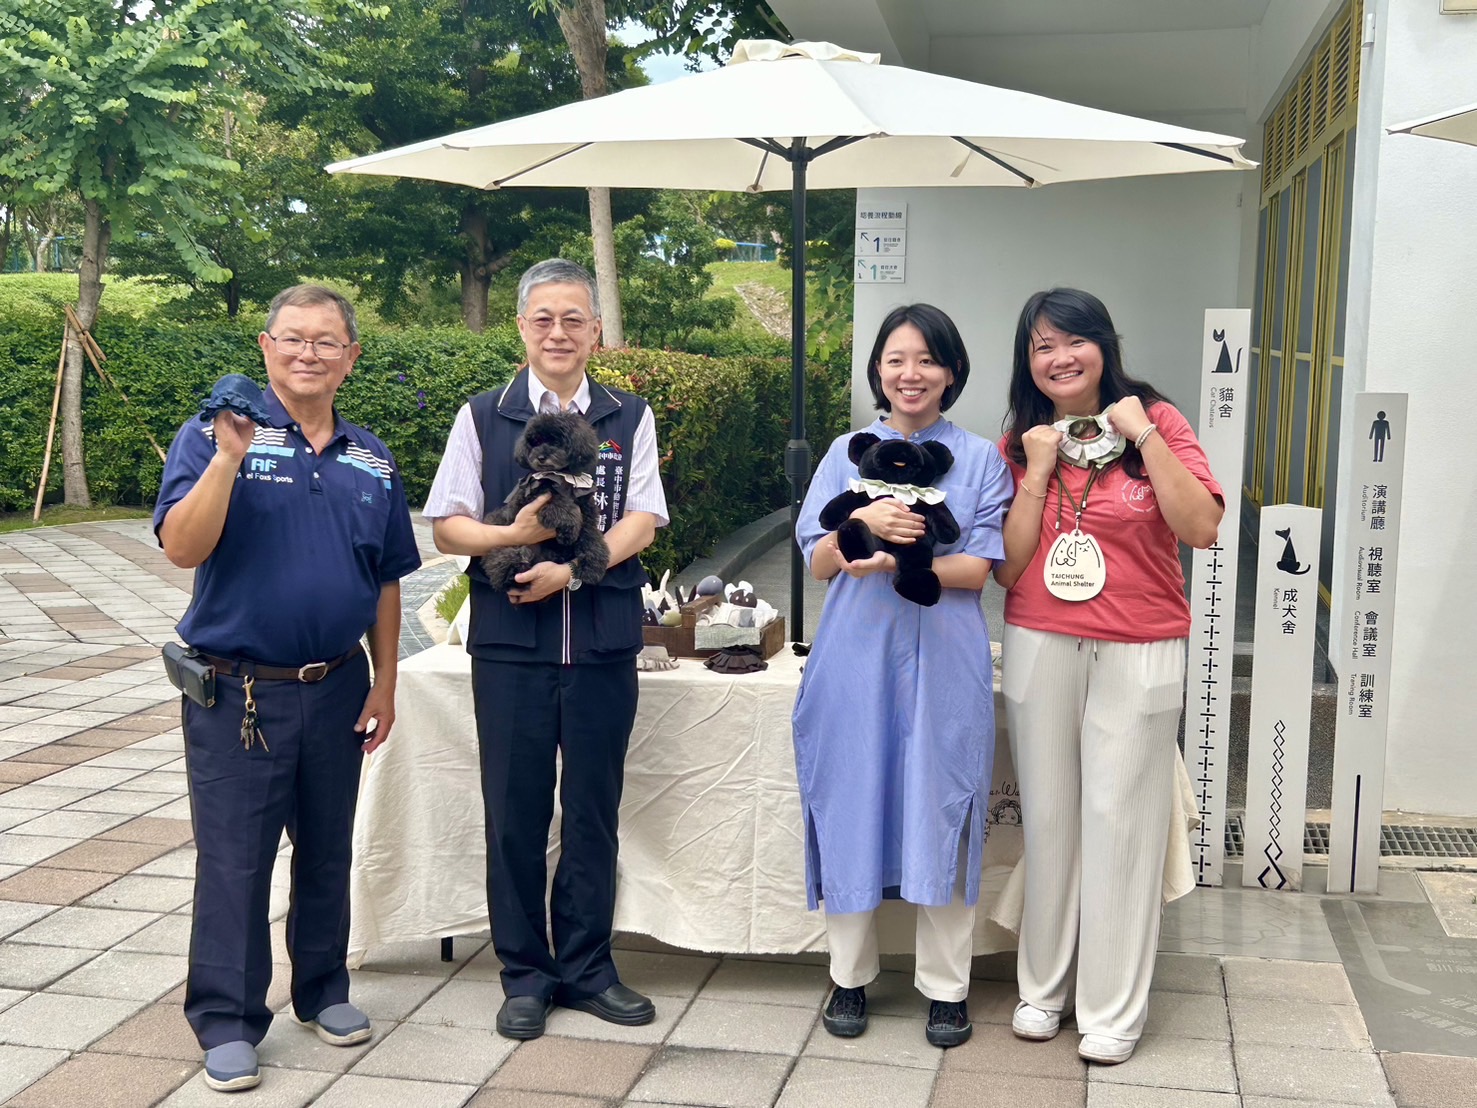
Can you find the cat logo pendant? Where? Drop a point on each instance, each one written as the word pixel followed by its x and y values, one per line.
pixel 1074 568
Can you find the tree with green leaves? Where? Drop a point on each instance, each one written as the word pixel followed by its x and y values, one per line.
pixel 662 258
pixel 110 100
pixel 695 28
pixel 257 231
pixel 583 25
pixel 437 67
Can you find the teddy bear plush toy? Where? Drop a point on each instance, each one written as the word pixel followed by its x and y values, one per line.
pixel 560 449
pixel 904 471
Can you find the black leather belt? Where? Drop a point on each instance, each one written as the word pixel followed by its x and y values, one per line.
pixel 309 674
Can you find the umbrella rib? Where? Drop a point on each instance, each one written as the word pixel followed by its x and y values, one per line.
pixel 836 144
pixel 1195 150
pixel 769 146
pixel 501 181
pixel 772 147
pixel 1026 177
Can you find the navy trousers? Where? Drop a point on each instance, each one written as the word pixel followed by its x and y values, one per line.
pixel 527 713
pixel 305 780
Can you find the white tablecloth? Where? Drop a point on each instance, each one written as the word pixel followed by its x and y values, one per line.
pixel 711 856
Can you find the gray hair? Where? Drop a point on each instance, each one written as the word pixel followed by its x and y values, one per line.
pixel 557 271
pixel 311 296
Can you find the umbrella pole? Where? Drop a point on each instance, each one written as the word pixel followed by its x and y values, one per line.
pixel 797 450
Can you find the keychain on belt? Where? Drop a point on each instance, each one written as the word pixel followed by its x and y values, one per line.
pixel 250 732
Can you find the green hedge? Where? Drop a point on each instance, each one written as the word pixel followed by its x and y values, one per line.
pixel 722 423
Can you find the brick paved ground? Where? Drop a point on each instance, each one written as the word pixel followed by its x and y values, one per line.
pixel 96 864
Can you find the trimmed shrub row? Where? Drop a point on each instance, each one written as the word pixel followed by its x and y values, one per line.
pixel 721 423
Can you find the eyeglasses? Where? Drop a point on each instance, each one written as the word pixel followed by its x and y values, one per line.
pixel 543 324
pixel 329 350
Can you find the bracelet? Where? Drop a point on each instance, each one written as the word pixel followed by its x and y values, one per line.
pixel 1138 443
pixel 1037 495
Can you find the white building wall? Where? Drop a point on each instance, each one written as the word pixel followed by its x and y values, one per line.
pixel 1158 251
pixel 1413 257
pixel 1161 250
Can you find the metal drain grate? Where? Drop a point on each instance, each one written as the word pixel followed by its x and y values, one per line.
pixel 1396 840
pixel 1235 837
pixel 1428 842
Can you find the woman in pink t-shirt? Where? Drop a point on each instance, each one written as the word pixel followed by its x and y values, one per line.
pixel 1109 481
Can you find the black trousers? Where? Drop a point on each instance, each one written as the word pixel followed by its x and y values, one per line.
pixel 527 713
pixel 240 802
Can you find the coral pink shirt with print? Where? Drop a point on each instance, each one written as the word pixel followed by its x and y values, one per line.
pixel 1143 599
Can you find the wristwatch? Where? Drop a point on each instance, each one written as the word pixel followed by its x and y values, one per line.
pixel 574 576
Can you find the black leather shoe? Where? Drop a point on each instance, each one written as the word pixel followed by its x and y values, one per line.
pixel 522 1017
pixel 617 1004
pixel 948 1023
pixel 845 1013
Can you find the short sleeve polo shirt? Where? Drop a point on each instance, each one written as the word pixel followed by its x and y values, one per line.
pixel 309 541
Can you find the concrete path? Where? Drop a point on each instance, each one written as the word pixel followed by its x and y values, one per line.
pixel 1252 1003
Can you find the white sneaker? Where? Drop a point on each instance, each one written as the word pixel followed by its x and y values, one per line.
pixel 1106 1049
pixel 1033 1023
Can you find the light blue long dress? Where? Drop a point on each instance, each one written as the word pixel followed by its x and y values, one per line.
pixel 894 724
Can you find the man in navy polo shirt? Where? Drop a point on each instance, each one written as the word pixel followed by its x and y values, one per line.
pixel 299 534
pixel 553 664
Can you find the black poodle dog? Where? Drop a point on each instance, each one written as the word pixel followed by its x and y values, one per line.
pixel 560 448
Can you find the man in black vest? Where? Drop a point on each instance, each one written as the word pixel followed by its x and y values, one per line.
pixel 553 665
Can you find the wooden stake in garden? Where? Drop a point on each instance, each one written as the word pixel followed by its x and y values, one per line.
pixel 56 400
pixel 96 356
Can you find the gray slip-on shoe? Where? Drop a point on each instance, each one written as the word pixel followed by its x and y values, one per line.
pixel 231 1067
pixel 341 1025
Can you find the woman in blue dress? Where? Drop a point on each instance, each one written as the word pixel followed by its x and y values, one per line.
pixel 894 724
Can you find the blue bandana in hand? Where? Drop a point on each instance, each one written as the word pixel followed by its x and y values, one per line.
pixel 235 392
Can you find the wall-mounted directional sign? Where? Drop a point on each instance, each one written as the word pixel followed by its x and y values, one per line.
pixel 871 243
pixel 879 270
pixel 889 217
pixel 881 243
pixel 1221 427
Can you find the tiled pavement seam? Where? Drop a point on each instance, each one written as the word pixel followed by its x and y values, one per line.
pixel 95 875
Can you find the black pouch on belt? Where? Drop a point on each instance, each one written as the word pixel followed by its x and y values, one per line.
pixel 190 673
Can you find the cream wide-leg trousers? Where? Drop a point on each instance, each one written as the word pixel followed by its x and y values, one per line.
pixel 1092 733
pixel 944 944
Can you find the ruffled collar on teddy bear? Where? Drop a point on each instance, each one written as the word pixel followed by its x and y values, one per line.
pixel 904 494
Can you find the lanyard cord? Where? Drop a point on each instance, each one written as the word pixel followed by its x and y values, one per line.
pixel 1093 472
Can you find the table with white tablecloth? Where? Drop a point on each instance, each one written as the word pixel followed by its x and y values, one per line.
pixel 711 852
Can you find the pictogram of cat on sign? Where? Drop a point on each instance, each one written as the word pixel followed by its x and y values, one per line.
pixel 1223 363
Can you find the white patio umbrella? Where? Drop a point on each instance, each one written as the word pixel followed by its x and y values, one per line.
pixel 806 115
pixel 1457 126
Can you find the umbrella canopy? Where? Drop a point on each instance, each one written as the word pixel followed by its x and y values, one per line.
pixel 715 131
pixel 806 115
pixel 1457 126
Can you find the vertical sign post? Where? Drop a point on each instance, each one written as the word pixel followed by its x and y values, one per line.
pixel 1281 701
pixel 1222 431
pixel 1371 555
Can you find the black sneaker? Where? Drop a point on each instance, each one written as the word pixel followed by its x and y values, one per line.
pixel 948 1023
pixel 846 1012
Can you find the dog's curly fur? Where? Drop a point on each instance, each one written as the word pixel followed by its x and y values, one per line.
pixel 552 443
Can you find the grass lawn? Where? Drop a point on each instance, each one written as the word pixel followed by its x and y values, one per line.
pixel 728 275
pixel 25 295
pixel 58 514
